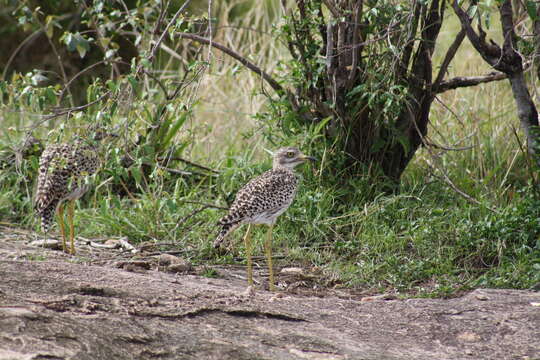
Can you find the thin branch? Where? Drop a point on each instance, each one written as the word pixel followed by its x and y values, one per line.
pixel 75 108
pixel 459 81
pixel 190 163
pixel 21 45
pixel 206 204
pixel 60 64
pixel 177 171
pixel 445 178
pixel 160 84
pixel 160 40
pixel 273 83
pixel 448 148
pixel 448 58
pixel 193 213
pixel 489 52
pixel 210 31
pixel 66 86
pixel 99 42
pixel 172 171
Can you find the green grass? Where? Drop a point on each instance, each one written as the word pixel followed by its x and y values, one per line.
pixel 425 240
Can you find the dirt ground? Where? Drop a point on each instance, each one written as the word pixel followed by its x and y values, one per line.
pixel 103 304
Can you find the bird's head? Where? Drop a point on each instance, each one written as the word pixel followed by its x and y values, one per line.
pixel 289 157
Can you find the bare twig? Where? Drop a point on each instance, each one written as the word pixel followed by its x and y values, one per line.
pixel 88 68
pixel 165 31
pixel 206 204
pixel 448 148
pixel 172 171
pixel 60 65
pixel 100 44
pixel 189 162
pixel 210 32
pixel 273 83
pixel 193 213
pixel 16 51
pixel 448 58
pixel 491 53
pixel 466 196
pixel 459 81
pixel 70 110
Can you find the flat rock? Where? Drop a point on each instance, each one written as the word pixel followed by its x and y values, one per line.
pixel 98 312
pixel 67 307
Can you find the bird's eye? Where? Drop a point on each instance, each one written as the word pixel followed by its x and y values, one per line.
pixel 290 154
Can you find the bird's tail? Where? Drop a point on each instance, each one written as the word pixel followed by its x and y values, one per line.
pixel 226 229
pixel 47 216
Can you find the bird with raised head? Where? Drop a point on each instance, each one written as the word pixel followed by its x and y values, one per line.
pixel 261 201
pixel 64 170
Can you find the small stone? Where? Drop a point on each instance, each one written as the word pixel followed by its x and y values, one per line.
pixel 182 266
pixel 113 243
pixel 294 271
pixel 168 259
pixel 481 297
pixel 48 244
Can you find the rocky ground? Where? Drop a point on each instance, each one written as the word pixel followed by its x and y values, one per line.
pixel 105 304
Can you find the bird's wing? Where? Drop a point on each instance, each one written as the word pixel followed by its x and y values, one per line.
pixel 265 193
pixel 53 176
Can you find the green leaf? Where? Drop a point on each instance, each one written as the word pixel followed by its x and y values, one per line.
pixel 531 9
pixel 49 28
pixel 174 129
pixel 76 42
pixel 137 174
pixel 82 48
pixel 321 125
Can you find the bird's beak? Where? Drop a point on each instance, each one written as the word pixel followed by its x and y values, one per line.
pixel 310 158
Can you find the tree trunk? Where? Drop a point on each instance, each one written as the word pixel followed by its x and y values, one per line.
pixel 379 109
pixel 510 62
pixel 365 69
pixel 528 116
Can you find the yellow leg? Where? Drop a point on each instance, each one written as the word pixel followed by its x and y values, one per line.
pixel 247 241
pixel 71 210
pixel 62 228
pixel 268 250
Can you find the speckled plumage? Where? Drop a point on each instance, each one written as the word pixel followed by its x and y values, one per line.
pixel 62 167
pixel 260 201
pixel 265 197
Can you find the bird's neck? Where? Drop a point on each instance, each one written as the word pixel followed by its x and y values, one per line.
pixel 278 166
